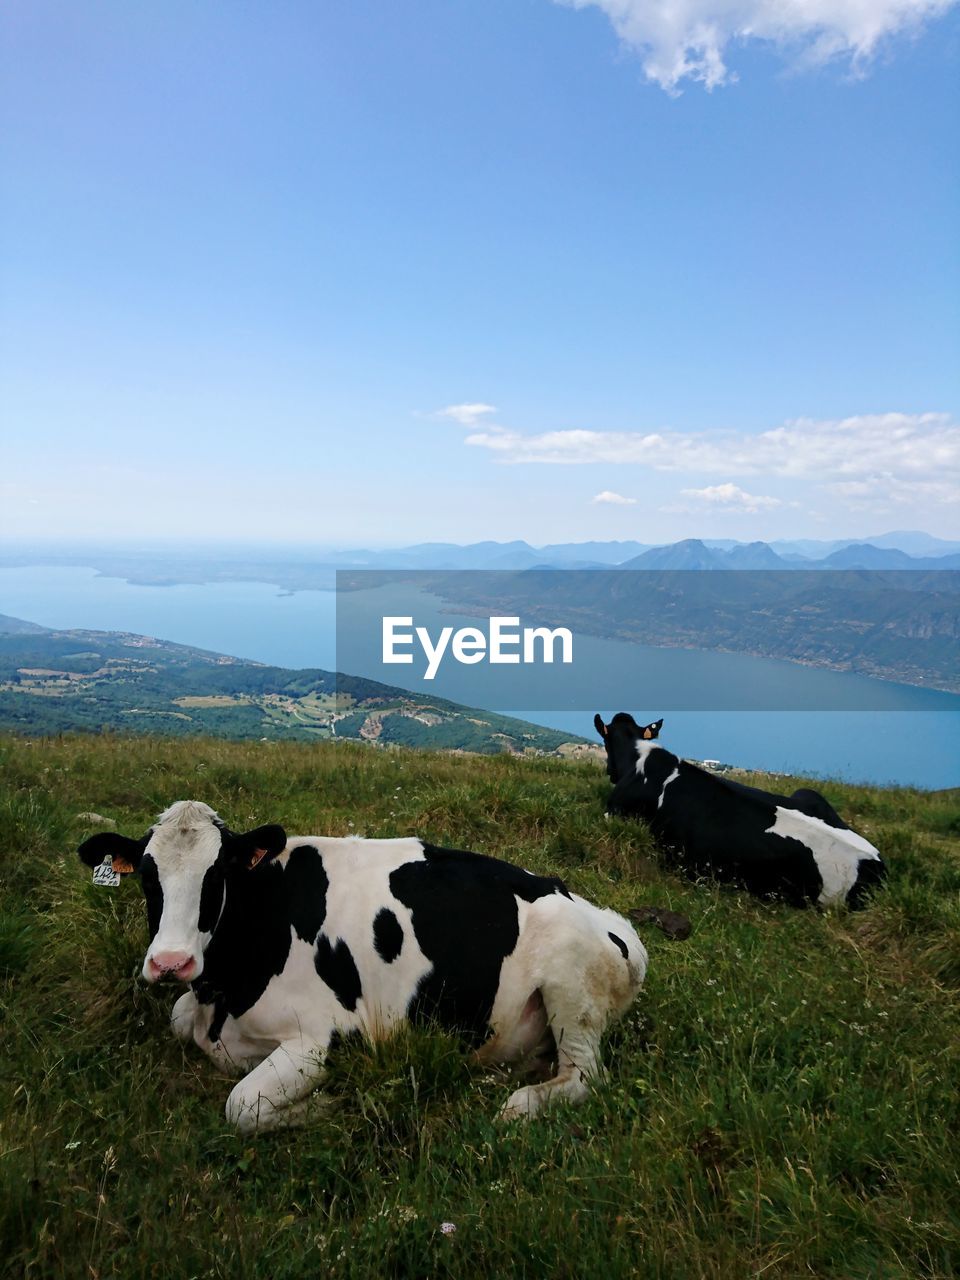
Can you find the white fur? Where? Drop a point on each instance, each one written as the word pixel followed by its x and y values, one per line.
pixel 184 843
pixel 643 748
pixel 836 852
pixel 666 782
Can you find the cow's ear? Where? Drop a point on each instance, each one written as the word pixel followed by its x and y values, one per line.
pixel 652 730
pixel 598 724
pixel 124 850
pixel 253 847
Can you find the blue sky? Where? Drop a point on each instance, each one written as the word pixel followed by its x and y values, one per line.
pixel 378 273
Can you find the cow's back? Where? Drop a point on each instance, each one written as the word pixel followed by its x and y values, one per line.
pixel 720 830
pixel 465 910
pixel 412 930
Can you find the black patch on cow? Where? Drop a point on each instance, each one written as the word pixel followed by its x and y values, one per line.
pixel 211 898
pixel 337 968
pixel 387 935
pixel 152 893
pixel 341 1041
pixel 305 885
pixel 804 800
pixel 252 939
pixel 619 942
pixel 718 832
pixel 870 874
pixel 465 919
pixel 813 804
pixel 250 944
pixel 218 1019
pixel 620 739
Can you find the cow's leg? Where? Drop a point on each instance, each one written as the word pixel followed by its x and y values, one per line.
pixel 183 1017
pixel 267 1098
pixel 595 969
pixel 578 1053
pixel 521 1033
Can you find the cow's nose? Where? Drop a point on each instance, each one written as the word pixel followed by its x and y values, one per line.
pixel 178 964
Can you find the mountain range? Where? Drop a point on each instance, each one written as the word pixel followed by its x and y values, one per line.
pixel 314 568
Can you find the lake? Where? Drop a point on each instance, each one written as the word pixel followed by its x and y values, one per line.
pixel 916 742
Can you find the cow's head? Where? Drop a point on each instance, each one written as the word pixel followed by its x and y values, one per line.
pixel 620 737
pixel 185 862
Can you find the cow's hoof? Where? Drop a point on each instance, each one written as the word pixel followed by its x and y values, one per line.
pixel 521 1105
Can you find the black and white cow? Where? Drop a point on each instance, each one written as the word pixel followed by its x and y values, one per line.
pixel 288 944
pixel 794 847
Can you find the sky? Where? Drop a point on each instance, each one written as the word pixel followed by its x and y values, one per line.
pixel 370 274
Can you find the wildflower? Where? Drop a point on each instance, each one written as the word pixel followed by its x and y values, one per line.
pixel 448 1228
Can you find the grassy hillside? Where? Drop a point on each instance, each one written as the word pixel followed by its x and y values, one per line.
pixel 783 1101
pixel 64 681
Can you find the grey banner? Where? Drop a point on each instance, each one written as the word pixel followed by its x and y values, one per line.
pixel 707 640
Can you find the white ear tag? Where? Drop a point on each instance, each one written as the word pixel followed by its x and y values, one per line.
pixel 104 875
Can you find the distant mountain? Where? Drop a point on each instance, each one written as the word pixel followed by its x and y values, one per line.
pixel 865 555
pixel 90 681
pixel 754 555
pixel 914 543
pixel 688 554
pixel 17 627
pixel 613 553
pixel 694 554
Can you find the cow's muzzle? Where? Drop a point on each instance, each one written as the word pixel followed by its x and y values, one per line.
pixel 180 965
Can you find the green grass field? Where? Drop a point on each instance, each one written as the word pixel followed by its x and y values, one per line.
pixel 783 1101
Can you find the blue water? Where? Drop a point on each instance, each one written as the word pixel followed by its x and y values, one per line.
pixel 245 619
pixel 914 746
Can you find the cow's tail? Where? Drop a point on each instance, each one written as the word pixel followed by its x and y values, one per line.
pixel 636 952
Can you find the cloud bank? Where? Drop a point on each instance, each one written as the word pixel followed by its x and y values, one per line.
pixel 870 461
pixel 911 445
pixel 688 39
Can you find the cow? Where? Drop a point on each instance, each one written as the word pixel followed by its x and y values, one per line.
pixel 793 847
pixel 289 945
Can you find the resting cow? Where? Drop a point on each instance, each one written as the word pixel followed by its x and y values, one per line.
pixel 288 944
pixel 793 847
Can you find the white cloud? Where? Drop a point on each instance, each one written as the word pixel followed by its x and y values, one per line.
pixel 687 39
pixel 468 415
pixel 729 497
pixel 911 447
pixel 614 499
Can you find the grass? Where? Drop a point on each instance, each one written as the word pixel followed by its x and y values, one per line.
pixel 782 1101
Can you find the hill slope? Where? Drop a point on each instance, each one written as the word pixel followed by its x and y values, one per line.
pixel 782 1101
pixel 57 681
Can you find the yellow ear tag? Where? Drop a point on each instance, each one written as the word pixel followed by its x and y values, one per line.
pixel 258 856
